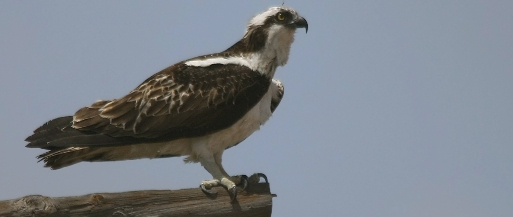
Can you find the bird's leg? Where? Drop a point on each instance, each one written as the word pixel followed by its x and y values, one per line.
pixel 221 178
pixel 238 180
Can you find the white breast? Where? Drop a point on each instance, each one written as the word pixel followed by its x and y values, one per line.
pixel 244 127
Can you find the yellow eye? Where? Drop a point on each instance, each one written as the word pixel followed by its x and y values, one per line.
pixel 280 17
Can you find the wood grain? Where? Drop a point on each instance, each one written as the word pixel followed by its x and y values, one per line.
pixel 256 201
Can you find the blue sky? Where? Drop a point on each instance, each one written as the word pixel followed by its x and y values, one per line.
pixel 391 108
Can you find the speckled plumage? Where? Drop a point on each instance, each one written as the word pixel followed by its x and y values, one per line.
pixel 195 108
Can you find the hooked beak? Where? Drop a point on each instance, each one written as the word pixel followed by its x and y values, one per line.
pixel 300 22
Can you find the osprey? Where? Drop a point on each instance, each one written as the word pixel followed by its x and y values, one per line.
pixel 196 108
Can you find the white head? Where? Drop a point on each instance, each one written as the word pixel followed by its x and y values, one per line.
pixel 286 17
pixel 269 35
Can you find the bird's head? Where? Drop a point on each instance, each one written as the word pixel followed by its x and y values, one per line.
pixel 270 34
pixel 278 18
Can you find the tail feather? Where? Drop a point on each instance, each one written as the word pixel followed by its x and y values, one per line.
pixel 44 139
pixel 85 140
pixel 59 133
pixel 50 131
pixel 59 158
pixel 82 137
pixel 67 145
pixel 63 157
pixel 55 123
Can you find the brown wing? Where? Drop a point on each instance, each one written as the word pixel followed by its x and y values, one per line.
pixel 180 101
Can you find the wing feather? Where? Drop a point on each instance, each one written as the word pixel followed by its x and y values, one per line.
pixel 125 121
pixel 156 107
pixel 180 101
pixel 122 108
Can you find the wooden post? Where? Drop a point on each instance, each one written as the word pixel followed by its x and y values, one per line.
pixel 256 201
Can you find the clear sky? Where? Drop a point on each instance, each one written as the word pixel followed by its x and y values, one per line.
pixel 391 108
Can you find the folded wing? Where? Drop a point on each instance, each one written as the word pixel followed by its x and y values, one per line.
pixel 180 101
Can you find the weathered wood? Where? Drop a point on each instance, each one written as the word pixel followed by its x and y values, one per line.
pixel 256 201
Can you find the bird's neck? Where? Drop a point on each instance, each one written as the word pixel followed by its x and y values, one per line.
pixel 265 50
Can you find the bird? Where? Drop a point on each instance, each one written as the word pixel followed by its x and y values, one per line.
pixel 196 108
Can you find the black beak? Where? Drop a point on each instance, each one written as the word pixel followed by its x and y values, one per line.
pixel 300 22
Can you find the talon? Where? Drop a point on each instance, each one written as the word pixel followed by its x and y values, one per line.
pixel 263 176
pixel 244 181
pixel 207 191
pixel 234 193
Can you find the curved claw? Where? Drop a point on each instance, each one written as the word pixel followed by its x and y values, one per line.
pixel 234 193
pixel 208 191
pixel 261 175
pixel 244 181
